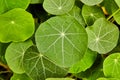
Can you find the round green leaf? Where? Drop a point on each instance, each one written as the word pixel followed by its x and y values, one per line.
pixel 102 36
pixel 91 2
pixel 91 14
pixel 6 5
pixel 111 66
pixel 39 67
pixel 16 25
pixel 20 77
pixel 62 39
pixel 86 62
pixel 58 7
pixel 14 55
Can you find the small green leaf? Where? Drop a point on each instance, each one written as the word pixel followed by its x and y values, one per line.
pixel 91 13
pixel 59 79
pixel 16 25
pixel 102 36
pixel 20 77
pixel 108 79
pixel 36 1
pixel 6 5
pixel 91 2
pixel 15 54
pixel 39 67
pixel 76 13
pixel 58 7
pixel 111 65
pixel 85 63
pixel 62 39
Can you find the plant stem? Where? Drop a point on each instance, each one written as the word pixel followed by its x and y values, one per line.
pixel 113 14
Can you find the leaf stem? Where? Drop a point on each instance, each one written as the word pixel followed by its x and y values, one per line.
pixel 113 14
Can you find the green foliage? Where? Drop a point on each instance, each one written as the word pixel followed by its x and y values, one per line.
pixel 59 39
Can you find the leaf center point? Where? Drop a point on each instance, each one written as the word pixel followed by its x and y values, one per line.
pixel 60 8
pixel 12 22
pixel 62 34
pixel 97 39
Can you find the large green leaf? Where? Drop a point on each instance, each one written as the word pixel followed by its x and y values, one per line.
pixel 59 79
pixel 85 63
pixel 16 25
pixel 76 13
pixel 102 36
pixel 15 54
pixel 62 39
pixel 20 77
pixel 111 65
pixel 58 7
pixel 91 2
pixel 39 67
pixel 91 13
pixel 6 5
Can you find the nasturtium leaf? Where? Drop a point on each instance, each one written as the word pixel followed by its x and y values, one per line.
pixel 20 77
pixel 108 79
pixel 16 25
pixel 102 36
pixel 85 63
pixel 91 2
pixel 39 67
pixel 6 5
pixel 117 2
pixel 58 7
pixel 62 39
pixel 111 65
pixel 76 13
pixel 91 13
pixel 59 79
pixel 14 55
pixel 36 1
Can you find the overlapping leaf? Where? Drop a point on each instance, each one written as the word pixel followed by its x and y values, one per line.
pixel 39 67
pixel 58 7
pixel 15 54
pixel 16 25
pixel 59 79
pixel 102 36
pixel 62 39
pixel 76 13
pixel 91 13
